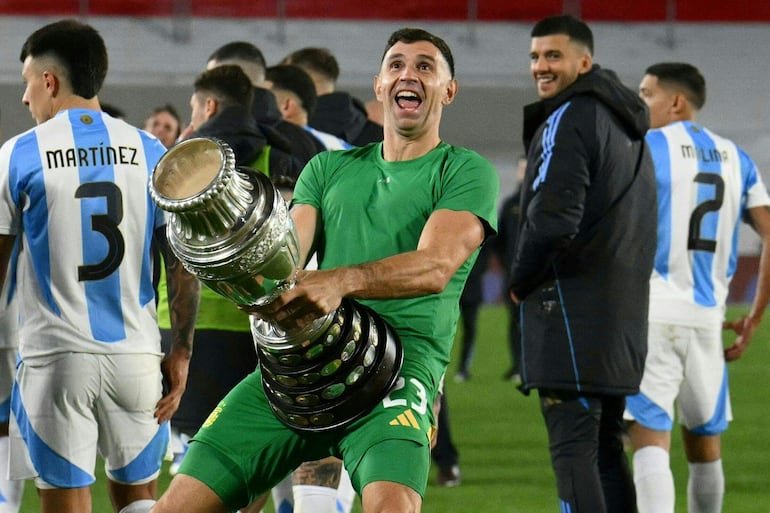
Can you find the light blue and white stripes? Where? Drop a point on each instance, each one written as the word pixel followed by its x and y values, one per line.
pixel 77 186
pixel 548 142
pixel 704 183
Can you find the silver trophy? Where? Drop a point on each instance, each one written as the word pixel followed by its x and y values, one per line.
pixel 231 228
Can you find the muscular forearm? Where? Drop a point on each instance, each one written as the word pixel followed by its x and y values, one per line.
pixel 325 472
pixel 762 295
pixel 760 217
pixel 183 299
pixel 412 274
pixel 448 239
pixel 446 242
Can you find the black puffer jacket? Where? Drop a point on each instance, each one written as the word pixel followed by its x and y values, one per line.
pixel 281 134
pixel 236 126
pixel 340 114
pixel 587 238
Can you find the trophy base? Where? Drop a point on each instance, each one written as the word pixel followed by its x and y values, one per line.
pixel 338 376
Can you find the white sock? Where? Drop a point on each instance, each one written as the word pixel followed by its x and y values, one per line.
pixel 314 499
pixel 140 506
pixel 283 496
pixel 346 495
pixel 654 480
pixel 174 445
pixel 10 490
pixel 705 487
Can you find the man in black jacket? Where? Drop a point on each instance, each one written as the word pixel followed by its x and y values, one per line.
pixel 220 108
pixel 278 132
pixel 585 253
pixel 336 112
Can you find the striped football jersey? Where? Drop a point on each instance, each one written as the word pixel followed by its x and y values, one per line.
pixel 705 185
pixel 75 190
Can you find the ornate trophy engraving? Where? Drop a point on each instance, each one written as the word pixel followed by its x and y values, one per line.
pixel 231 228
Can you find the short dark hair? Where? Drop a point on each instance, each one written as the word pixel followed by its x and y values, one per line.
pixel 166 108
pixel 171 112
pixel 295 80
pixel 228 83
pixel 78 48
pixel 576 29
pixel 414 35
pixel 684 76
pixel 317 60
pixel 241 50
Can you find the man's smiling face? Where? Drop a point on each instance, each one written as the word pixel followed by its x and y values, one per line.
pixel 413 85
pixel 556 62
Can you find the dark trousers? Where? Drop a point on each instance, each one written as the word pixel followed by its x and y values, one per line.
pixel 514 334
pixel 469 314
pixel 444 453
pixel 220 361
pixel 585 435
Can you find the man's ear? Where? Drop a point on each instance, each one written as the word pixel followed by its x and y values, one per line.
pixel 679 104
pixel 377 88
pixel 586 63
pixel 285 105
pixel 52 83
pixel 450 92
pixel 211 107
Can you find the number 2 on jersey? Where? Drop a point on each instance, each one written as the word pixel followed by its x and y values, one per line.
pixel 695 240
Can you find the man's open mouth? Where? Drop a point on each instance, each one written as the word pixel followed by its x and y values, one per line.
pixel 408 100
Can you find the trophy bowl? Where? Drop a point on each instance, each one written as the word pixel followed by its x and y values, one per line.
pixel 230 227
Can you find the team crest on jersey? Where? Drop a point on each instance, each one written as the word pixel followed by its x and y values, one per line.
pixel 214 415
pixel 86 119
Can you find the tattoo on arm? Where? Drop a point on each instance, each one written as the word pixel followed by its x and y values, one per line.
pixel 325 472
pixel 183 295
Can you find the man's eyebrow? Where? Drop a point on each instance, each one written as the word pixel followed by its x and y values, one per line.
pixel 421 56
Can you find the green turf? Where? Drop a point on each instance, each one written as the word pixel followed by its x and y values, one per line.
pixel 502 441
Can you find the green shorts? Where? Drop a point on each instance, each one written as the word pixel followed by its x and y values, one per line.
pixel 242 449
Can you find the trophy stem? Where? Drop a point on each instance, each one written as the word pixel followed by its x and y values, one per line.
pixel 273 338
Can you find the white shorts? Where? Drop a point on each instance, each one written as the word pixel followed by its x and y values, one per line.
pixel 685 366
pixel 7 372
pixel 67 407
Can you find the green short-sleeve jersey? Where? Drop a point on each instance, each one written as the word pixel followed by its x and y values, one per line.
pixel 371 209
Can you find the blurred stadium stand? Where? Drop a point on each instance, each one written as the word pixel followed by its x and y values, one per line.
pixel 447 10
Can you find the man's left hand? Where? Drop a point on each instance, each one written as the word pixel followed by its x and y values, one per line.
pixel 175 367
pixel 744 328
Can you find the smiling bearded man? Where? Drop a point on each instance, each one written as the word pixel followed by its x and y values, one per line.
pixel 397 227
pixel 584 255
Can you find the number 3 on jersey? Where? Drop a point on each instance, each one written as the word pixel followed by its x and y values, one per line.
pixel 107 225
pixel 695 241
